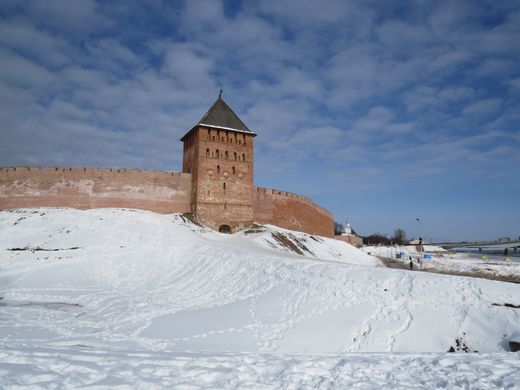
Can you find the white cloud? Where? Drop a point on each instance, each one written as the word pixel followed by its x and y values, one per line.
pixel 351 85
pixel 483 107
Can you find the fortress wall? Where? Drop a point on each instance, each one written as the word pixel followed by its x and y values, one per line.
pixel 85 188
pixel 352 240
pixel 291 211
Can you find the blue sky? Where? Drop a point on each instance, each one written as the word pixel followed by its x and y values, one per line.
pixel 380 111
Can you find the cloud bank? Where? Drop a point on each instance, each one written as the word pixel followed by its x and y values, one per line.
pixel 379 111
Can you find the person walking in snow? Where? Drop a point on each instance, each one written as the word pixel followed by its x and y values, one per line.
pixel 411 264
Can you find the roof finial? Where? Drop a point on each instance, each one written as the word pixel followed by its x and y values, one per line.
pixel 220 94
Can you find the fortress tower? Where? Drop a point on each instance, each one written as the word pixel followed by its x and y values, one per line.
pixel 218 152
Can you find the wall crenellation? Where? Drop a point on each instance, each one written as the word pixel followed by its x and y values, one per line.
pixel 132 171
pixel 287 194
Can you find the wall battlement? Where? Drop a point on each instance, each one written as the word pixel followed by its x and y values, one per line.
pixel 287 194
pixel 291 211
pixel 76 170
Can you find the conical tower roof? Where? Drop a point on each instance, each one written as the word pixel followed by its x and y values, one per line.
pixel 221 116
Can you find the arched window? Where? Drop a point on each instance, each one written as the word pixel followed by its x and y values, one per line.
pixel 239 141
pixel 218 168
pixel 227 155
pixel 235 155
pixel 233 170
pixel 243 157
pixel 207 152
pixel 218 155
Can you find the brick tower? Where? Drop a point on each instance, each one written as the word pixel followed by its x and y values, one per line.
pixel 218 152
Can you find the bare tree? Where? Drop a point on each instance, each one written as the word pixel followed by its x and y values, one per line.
pixel 338 229
pixel 376 239
pixel 399 236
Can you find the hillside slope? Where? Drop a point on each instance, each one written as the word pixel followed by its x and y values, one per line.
pixel 132 280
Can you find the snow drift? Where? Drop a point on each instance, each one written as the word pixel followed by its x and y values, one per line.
pixel 132 280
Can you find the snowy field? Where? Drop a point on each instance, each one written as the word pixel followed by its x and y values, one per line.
pixel 443 260
pixel 113 297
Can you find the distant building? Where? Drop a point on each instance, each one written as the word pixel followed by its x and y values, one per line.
pixel 349 236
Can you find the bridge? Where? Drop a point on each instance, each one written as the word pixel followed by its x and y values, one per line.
pixel 483 244
pixel 507 248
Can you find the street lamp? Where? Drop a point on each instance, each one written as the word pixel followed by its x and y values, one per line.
pixel 420 234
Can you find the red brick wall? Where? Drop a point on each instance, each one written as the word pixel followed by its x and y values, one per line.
pixel 165 192
pixel 353 240
pixel 291 211
pixel 85 188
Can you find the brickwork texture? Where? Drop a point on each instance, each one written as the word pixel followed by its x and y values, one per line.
pixel 85 188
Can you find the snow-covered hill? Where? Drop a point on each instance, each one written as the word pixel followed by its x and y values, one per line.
pixel 112 280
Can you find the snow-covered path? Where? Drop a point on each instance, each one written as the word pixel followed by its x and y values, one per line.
pixel 115 281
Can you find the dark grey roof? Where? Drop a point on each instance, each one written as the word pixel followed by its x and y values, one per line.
pixel 220 115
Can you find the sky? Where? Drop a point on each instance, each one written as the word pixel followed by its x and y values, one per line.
pixel 382 112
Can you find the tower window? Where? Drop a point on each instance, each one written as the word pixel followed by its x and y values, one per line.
pixel 224 186
pixel 243 157
pixel 218 155
pixel 218 168
pixel 227 155
pixel 235 155
pixel 233 170
pixel 207 152
pixel 239 141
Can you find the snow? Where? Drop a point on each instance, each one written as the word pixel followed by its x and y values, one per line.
pixel 74 367
pixel 111 297
pixel 443 260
